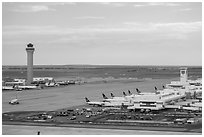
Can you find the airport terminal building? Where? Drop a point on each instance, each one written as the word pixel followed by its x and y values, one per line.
pixel 157 101
pixel 166 98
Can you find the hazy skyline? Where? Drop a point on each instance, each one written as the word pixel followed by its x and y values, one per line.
pixel 137 33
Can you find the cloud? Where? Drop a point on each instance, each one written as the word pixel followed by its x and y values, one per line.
pixel 113 4
pixel 90 17
pixel 129 34
pixel 138 5
pixel 156 4
pixel 126 27
pixel 186 9
pixel 180 27
pixel 162 4
pixel 60 3
pixel 185 27
pixel 33 8
pixel 38 6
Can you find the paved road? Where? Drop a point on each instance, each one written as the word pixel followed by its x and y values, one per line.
pixel 32 130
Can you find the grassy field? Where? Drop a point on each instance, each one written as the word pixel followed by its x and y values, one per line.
pixel 87 72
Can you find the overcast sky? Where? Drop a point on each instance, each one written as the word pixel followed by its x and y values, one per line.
pixel 103 33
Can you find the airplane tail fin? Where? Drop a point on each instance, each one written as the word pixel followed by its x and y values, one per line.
pixel 104 96
pixel 156 90
pixel 163 87
pixel 112 95
pixel 129 92
pixel 138 91
pixel 124 93
pixel 87 100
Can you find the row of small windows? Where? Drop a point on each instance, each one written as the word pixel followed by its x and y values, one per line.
pixel 148 105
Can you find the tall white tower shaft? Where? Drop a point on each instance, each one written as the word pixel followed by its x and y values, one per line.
pixel 183 76
pixel 30 50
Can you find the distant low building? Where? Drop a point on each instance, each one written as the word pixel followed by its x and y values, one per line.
pixel 43 79
pixel 15 82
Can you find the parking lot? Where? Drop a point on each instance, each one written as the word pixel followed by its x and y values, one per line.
pixel 85 114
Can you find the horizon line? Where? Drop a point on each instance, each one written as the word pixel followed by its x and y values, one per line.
pixel 101 65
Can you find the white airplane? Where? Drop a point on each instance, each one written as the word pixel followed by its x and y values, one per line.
pixel 112 104
pixel 62 82
pixel 107 104
pixel 131 95
pixel 14 101
pixel 196 104
pixel 113 99
pixel 51 84
pixel 7 88
pixel 27 87
pixel 192 108
pixel 93 103
pixel 117 101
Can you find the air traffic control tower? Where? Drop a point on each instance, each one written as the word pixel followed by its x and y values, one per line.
pixel 184 76
pixel 30 51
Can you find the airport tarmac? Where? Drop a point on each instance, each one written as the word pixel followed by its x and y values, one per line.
pixel 32 130
pixel 62 97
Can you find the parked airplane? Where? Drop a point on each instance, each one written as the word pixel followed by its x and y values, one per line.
pixel 112 104
pixel 104 104
pixel 104 96
pixel 138 91
pixel 7 88
pixel 116 98
pixel 93 103
pixel 112 95
pixel 14 101
pixel 192 108
pixel 51 84
pixel 124 94
pixel 117 101
pixel 113 99
pixel 130 93
pixel 27 87
pixel 156 90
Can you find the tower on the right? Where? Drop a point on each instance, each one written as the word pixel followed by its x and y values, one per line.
pixel 183 76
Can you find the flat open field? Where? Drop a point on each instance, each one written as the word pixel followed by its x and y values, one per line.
pixel 87 71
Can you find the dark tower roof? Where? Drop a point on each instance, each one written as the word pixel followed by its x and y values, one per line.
pixel 30 45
